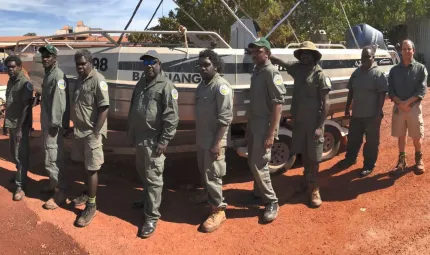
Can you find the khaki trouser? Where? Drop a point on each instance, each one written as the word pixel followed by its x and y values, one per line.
pixel 20 154
pixel 212 172
pixel 150 169
pixel 258 159
pixel 54 157
pixel 411 122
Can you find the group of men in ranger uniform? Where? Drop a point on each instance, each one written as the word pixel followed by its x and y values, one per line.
pixel 153 119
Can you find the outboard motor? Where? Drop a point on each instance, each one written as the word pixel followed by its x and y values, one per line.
pixel 365 35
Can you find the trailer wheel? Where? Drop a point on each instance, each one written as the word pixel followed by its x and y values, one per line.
pixel 331 142
pixel 281 160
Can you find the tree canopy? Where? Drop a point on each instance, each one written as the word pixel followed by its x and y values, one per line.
pixel 310 16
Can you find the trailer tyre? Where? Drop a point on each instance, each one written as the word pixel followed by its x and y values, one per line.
pixel 331 142
pixel 281 160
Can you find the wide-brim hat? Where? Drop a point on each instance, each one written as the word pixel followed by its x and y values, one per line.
pixel 310 46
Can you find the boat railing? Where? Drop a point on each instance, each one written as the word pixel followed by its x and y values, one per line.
pixel 106 34
pixel 318 45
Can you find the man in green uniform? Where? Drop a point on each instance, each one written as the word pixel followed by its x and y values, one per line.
pixel 214 113
pixel 54 118
pixel 367 89
pixel 309 110
pixel 266 99
pixel 153 118
pixel 407 84
pixel 19 93
pixel 90 104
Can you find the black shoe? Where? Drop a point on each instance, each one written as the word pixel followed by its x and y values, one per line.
pixel 147 229
pixel 81 200
pixel 271 212
pixel 87 215
pixel 366 172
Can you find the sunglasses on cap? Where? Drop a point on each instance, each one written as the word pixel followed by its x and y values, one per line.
pixel 151 62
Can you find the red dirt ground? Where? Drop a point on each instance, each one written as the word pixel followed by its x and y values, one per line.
pixel 374 215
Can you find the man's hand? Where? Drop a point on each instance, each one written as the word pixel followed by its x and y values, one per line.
pixel 318 133
pixel 404 106
pixel 347 113
pixel 215 151
pixel 53 131
pixel 18 135
pixel 268 143
pixel 96 134
pixel 161 148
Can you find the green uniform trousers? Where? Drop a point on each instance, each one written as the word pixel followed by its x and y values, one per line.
pixel 150 169
pixel 212 172
pixel 54 157
pixel 21 154
pixel 258 159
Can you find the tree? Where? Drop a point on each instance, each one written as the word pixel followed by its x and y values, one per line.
pixel 30 34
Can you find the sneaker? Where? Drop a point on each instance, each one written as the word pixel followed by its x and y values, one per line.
pixel 87 215
pixel 19 194
pixel 365 172
pixel 214 221
pixel 400 167
pixel 271 212
pixel 81 200
pixel 314 196
pixel 420 169
pixel 54 202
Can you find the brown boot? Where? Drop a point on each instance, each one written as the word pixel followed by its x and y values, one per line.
pixel 400 167
pixel 54 202
pixel 314 196
pixel 19 194
pixel 419 163
pixel 214 221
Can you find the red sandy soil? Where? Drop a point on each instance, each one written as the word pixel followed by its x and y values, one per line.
pixel 378 214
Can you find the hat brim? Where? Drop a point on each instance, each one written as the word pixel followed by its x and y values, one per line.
pixel 147 56
pixel 316 53
pixel 256 45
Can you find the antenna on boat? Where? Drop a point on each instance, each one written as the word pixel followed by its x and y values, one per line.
pixel 238 20
pixel 129 22
pixel 284 18
pixel 350 29
pixel 156 10
pixel 292 29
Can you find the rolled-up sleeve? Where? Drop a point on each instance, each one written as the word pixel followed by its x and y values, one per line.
pixel 422 86
pixel 170 116
pixel 276 88
pixel 224 101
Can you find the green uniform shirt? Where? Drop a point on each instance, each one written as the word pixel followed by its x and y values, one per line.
pixel 90 94
pixel 153 115
pixel 405 82
pixel 307 103
pixel 18 94
pixel 367 87
pixel 214 107
pixel 55 108
pixel 267 89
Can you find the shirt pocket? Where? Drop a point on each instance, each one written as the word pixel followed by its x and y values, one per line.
pixel 152 101
pixel 87 96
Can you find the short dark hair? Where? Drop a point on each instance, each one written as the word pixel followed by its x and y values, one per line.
pixel 410 41
pixel 372 49
pixel 12 59
pixel 86 54
pixel 213 57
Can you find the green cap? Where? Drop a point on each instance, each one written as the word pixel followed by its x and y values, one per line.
pixel 49 48
pixel 260 42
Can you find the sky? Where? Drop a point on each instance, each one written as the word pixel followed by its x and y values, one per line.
pixel 44 17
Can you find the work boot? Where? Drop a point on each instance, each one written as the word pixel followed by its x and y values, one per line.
pixel 54 202
pixel 200 197
pixel 19 194
pixel 271 212
pixel 314 196
pixel 400 167
pixel 148 228
pixel 419 163
pixel 214 221
pixel 81 200
pixel 87 215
